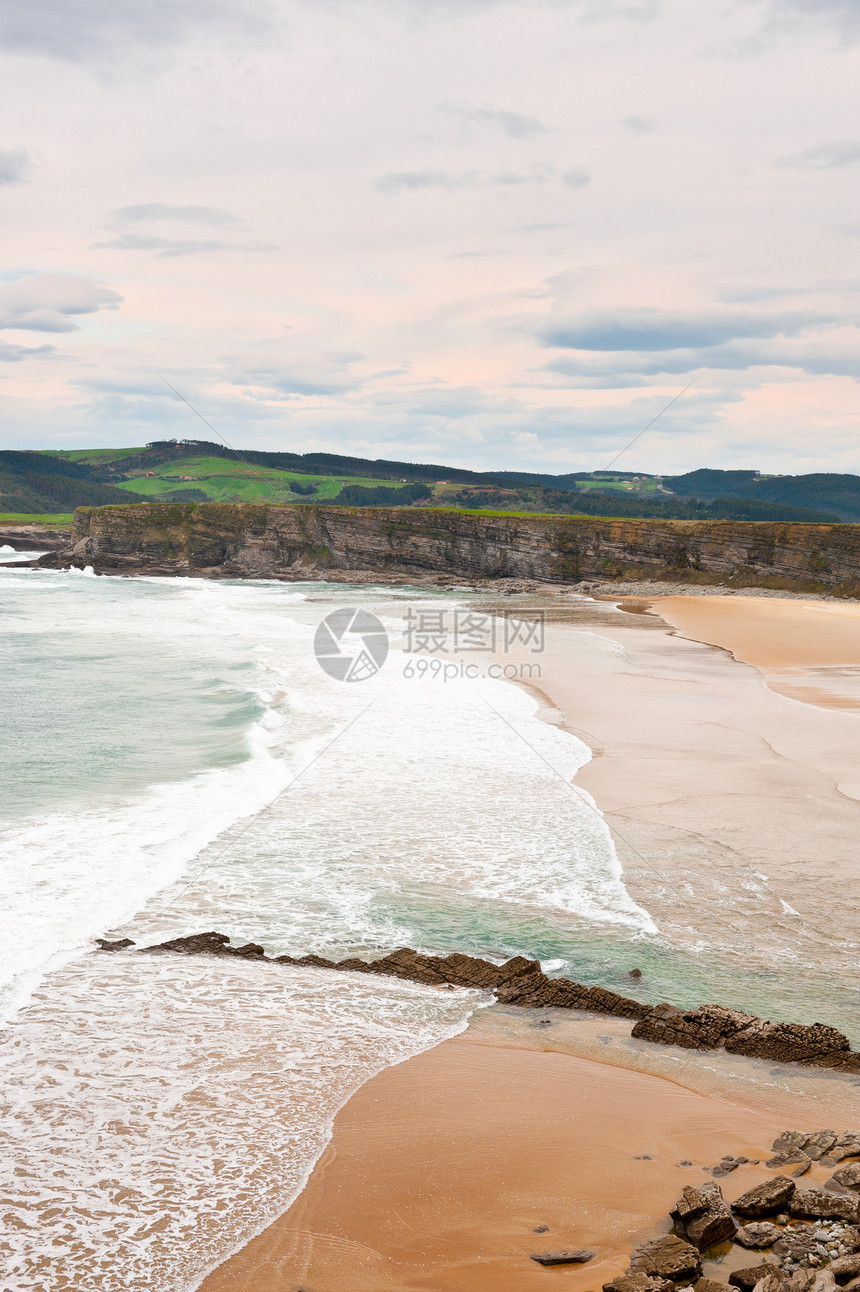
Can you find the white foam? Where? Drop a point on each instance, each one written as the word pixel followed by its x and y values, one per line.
pixel 158 1110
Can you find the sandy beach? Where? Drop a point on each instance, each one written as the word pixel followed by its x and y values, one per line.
pixel 441 1169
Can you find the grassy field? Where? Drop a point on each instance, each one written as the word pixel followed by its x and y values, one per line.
pixel 222 479
pixel 63 521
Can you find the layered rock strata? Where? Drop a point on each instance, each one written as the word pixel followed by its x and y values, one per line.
pixel 243 540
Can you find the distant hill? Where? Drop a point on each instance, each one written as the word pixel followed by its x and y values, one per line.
pixel 200 470
pixel 825 491
pixel 38 483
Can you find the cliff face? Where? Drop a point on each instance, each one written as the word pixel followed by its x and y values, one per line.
pixel 247 541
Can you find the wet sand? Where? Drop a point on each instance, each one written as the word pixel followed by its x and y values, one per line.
pixel 713 783
pixel 440 1170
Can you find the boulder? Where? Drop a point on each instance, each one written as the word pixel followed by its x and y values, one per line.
pixel 758 1234
pixel 775 1280
pixel 638 1283
pixel 766 1199
pixel 797 1242
pixel 789 1139
pixel 820 1144
pixel 746 1279
pixel 788 1157
pixel 848 1177
pixel 692 1202
pixel 713 1226
pixel 822 1205
pixel 845 1268
pixel 847 1145
pixel 708 1285
pixel 812 1281
pixel 573 1256
pixel 121 944
pixel 667 1258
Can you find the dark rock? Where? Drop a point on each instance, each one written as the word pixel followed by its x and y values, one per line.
pixel 705 1028
pixel 726 1166
pixel 747 1278
pixel 801 1169
pixel 822 1205
pixel 819 1144
pixel 788 1042
pixel 716 1226
pixel 196 944
pixel 758 1234
pixel 686 1162
pixel 667 1258
pixel 692 1202
pixel 121 944
pixel 847 1145
pixel 634 973
pixel 765 1199
pixel 788 1158
pixel 789 1139
pixel 708 1285
pixel 576 1256
pixel 848 1177
pixel 541 1229
pixel 845 1268
pixel 638 1283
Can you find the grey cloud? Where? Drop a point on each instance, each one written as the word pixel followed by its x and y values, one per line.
pixel 49 302
pixel 541 228
pixel 164 211
pixel 538 173
pixel 640 125
pixel 10 353
pixel 166 247
pixel 90 29
pixel 514 124
pixel 17 165
pixel 652 329
pixel 842 17
pixel 740 356
pixel 828 156
pixel 401 181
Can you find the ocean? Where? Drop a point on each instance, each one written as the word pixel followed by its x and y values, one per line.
pixel 177 759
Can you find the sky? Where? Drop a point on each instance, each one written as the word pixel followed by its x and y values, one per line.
pixel 486 234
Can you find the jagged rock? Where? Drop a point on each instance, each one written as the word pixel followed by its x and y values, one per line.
pixel 787 1157
pixel 692 1202
pixel 122 944
pixel 788 1042
pixel 576 1256
pixel 801 1169
pixel 667 1258
pixel 848 1177
pixel 196 944
pixel 812 1281
pixel 775 1280
pixel 728 1165
pixel 845 1268
pixel 820 1144
pixel 747 1278
pixel 705 1028
pixel 638 1283
pixel 822 1205
pixel 715 1225
pixel 758 1234
pixel 708 1285
pixel 766 1199
pixel 789 1139
pixel 847 1145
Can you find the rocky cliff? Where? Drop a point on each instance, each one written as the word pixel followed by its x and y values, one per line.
pixel 242 540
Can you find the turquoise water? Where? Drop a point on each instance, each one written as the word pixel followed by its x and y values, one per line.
pixel 174 759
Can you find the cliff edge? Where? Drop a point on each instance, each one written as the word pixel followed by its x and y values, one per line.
pixel 418 545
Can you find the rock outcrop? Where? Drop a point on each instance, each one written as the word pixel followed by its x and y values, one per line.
pixel 711 1026
pixel 703 1216
pixel 522 982
pixel 766 1199
pixel 244 540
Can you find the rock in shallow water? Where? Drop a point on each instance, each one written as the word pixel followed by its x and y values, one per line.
pixel 767 1198
pixel 758 1234
pixel 574 1256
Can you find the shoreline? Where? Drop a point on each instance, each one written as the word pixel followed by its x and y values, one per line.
pixel 441 1170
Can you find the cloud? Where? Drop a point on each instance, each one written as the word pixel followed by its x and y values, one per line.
pixel 10 353
pixel 164 211
pixel 790 17
pixel 640 125
pixel 166 247
pixel 48 302
pixel 17 165
pixel 652 329
pixel 92 29
pixel 537 173
pixel 514 124
pixel 829 156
